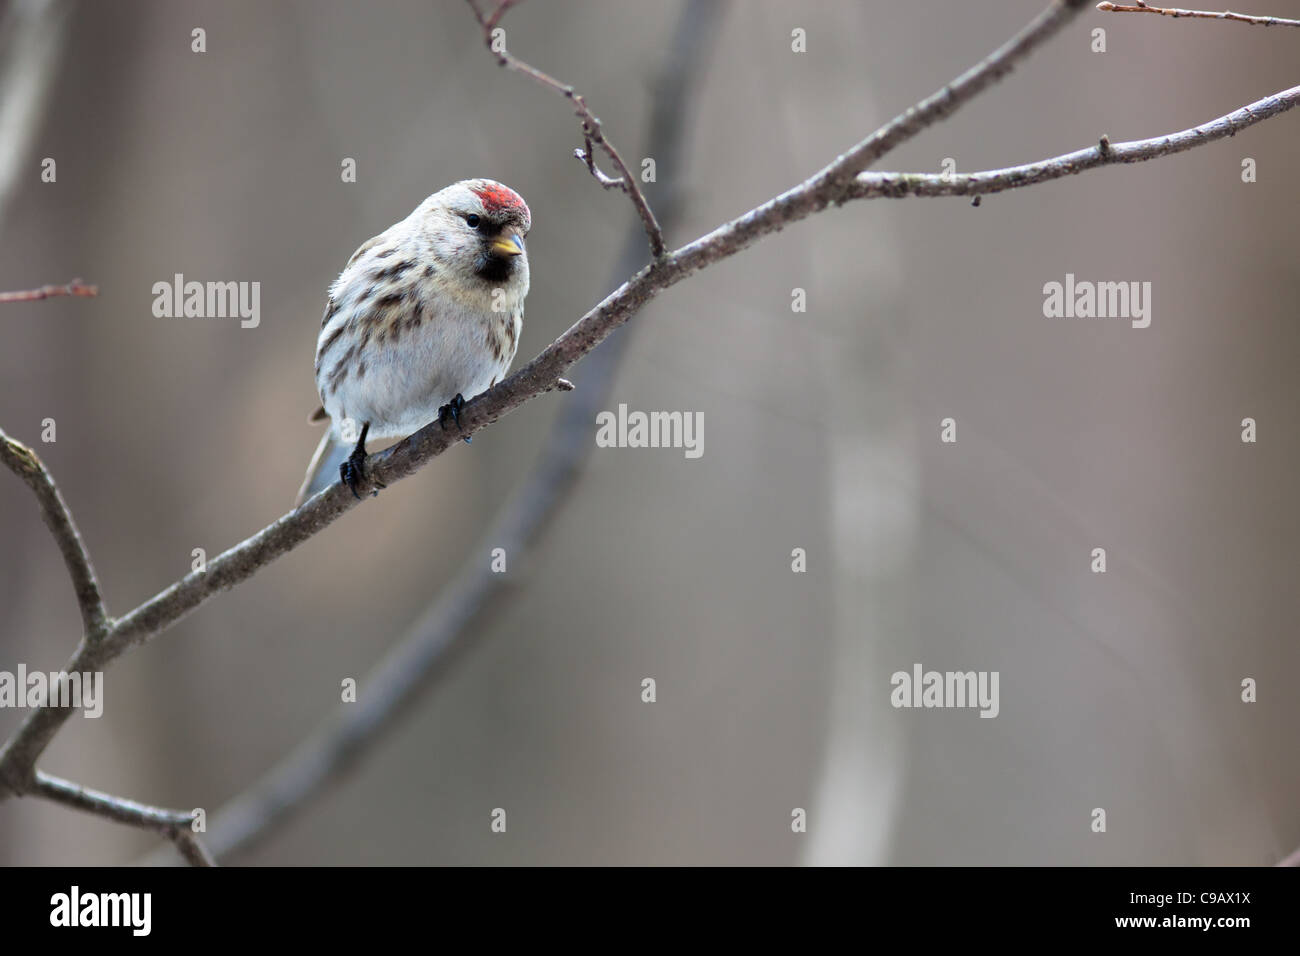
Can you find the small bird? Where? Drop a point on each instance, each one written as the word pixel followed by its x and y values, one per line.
pixel 425 314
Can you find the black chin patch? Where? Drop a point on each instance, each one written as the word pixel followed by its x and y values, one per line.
pixel 495 269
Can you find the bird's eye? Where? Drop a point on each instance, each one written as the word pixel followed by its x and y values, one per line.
pixel 472 221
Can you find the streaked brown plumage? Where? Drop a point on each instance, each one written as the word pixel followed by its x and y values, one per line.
pixel 424 316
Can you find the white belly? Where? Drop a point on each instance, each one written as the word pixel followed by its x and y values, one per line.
pixel 399 386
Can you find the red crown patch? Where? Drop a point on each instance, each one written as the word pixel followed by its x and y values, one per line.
pixel 497 197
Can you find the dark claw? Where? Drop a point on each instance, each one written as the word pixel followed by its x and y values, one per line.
pixel 452 410
pixel 350 474
pixel 353 471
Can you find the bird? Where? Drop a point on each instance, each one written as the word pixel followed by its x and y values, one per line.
pixel 423 317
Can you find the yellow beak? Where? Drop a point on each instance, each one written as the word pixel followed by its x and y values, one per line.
pixel 510 245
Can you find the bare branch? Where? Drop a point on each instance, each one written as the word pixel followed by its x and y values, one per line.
pixel 75 288
pixel 591 131
pixel 1141 7
pixel 176 825
pixel 946 101
pixel 24 463
pixel 1106 153
pixel 19 755
pixel 157 819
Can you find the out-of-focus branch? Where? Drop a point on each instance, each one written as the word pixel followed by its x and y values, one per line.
pixel 489 22
pixel 75 288
pixel 191 848
pixel 873 185
pixel 591 130
pixel 24 463
pixel 412 668
pixel 176 825
pixel 32 34
pixel 1140 7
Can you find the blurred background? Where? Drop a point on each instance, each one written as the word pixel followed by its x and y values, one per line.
pixel 1118 690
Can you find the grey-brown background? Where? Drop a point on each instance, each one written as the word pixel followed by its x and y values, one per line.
pixel 821 431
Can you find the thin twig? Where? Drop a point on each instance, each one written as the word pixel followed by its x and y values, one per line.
pixel 75 288
pixel 1176 12
pixel 498 13
pixel 591 130
pixel 873 185
pixel 176 825
pixel 142 815
pixel 947 100
pixel 24 463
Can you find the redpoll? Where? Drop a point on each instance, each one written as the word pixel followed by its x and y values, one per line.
pixel 424 316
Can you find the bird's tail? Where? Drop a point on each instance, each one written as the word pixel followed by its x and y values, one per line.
pixel 324 468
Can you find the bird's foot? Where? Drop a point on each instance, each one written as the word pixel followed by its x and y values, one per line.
pixel 353 471
pixel 452 410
